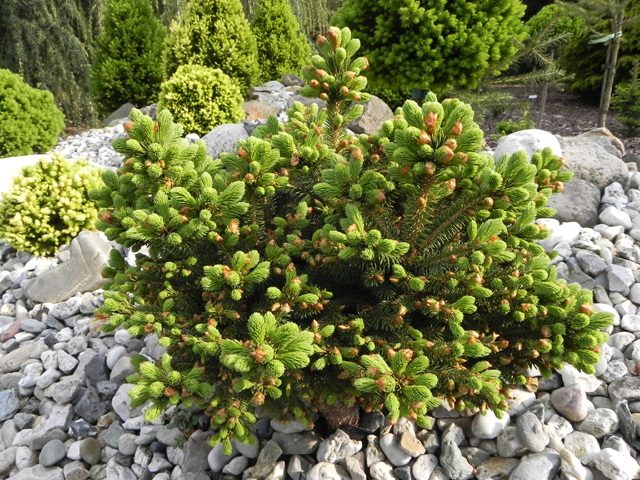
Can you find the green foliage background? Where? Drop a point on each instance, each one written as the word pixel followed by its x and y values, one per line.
pixel 127 66
pixel 432 44
pixel 49 43
pixel 30 122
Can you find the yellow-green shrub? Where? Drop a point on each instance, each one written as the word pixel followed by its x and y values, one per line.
pixel 48 205
pixel 201 98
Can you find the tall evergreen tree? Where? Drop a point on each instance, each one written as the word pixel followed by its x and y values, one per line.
pixel 281 47
pixel 433 44
pixel 48 42
pixel 127 66
pixel 586 61
pixel 215 34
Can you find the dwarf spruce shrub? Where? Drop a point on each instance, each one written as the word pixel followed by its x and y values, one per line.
pixel 127 65
pixel 214 34
pixel 201 98
pixel 48 205
pixel 282 48
pixel 30 122
pixel 626 101
pixel 314 269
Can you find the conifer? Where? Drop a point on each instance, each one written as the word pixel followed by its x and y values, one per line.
pixel 417 44
pixel 126 66
pixel 214 34
pixel 49 43
pixel 281 47
pixel 315 268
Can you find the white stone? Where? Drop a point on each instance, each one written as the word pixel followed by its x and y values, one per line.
pixel 488 426
pixel 603 307
pixel 390 445
pixel 424 466
pixel 529 141
pixel 571 467
pixel 571 376
pixel 582 445
pixel 614 217
pixel 616 465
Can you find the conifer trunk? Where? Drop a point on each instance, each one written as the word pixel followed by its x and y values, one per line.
pixel 609 72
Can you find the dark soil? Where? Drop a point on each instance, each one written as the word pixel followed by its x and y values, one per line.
pixel 566 115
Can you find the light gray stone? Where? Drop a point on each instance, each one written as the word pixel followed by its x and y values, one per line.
pixel 529 141
pixel 543 466
pixel 52 453
pixel 577 202
pixel 337 447
pixel 453 463
pixel 390 445
pixel 81 273
pixel 327 471
pixel 614 216
pixel 224 138
pixel 530 431
pixel 376 112
pixel 600 422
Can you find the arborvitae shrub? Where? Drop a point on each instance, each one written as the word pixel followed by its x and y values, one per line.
pixel 281 47
pixel 316 268
pixel 433 45
pixel 215 34
pixel 48 205
pixel 201 98
pixel 30 122
pixel 626 101
pixel 127 65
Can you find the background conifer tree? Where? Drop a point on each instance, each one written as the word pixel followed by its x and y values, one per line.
pixel 281 47
pixel 436 45
pixel 49 43
pixel 214 34
pixel 127 66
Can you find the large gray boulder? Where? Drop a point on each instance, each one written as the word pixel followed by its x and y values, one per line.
pixel 589 161
pixel 376 112
pixel 578 202
pixel 81 273
pixel 529 141
pixel 224 138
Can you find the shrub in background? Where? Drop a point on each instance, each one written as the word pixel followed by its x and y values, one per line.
pixel 30 122
pixel 50 44
pixel 214 34
pixel 626 101
pixel 281 47
pixel 127 65
pixel 509 126
pixel 201 98
pixel 48 205
pixel 320 270
pixel 418 44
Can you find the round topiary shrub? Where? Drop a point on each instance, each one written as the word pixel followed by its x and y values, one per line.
pixel 201 98
pixel 48 205
pixel 30 122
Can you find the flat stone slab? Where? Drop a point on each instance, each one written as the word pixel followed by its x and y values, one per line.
pixel 81 273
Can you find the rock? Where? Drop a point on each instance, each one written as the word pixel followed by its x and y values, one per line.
pixel 376 112
pixel 292 426
pixel 75 471
pixel 224 138
pixel 81 273
pixel 530 431
pixel 25 458
pixel 298 467
pixel 496 467
pixel 65 390
pixel 122 112
pixel 543 466
pixel 614 216
pixel 603 136
pixel 390 445
pixel 52 453
pixel 488 426
pixel 578 202
pixel 59 417
pixel 236 466
pixel 616 465
pixel 382 471
pixel 269 455
pixel 571 402
pixel 40 472
pixel 32 326
pixel 529 141
pixel 66 309
pixel 410 444
pixel 593 163
pixel 625 388
pixel 217 459
pixel 304 443
pixel 122 403
pixel 337 447
pixel 424 466
pixel 90 450
pixel 571 466
pixel 11 361
pixel 590 263
pixel 582 445
pixel 306 101
pixel 453 463
pixel 327 471
pixel 256 110
pixel 9 404
pixel 355 469
pixel 290 80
